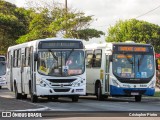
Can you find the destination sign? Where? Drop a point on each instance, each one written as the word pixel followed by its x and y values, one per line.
pixel 124 56
pixel 60 45
pixel 133 49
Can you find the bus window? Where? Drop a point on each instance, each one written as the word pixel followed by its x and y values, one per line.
pixel 2 71
pixel 89 58
pixel 56 61
pixel 2 68
pixel 97 58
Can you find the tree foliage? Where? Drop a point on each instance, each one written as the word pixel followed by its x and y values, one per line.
pixel 18 25
pixel 54 20
pixel 13 24
pixel 135 30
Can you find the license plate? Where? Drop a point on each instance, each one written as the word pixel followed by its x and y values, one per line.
pixel 134 93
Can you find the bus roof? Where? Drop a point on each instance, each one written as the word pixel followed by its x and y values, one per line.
pixel 110 44
pixel 34 42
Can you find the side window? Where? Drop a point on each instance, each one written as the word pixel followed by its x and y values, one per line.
pixel 97 57
pixel 19 57
pixel 27 56
pixel 9 59
pixel 15 58
pixel 89 56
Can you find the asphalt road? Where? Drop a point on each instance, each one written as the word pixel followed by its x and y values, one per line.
pixel 86 106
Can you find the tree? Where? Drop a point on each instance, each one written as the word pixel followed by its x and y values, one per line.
pixel 135 30
pixel 13 24
pixel 52 20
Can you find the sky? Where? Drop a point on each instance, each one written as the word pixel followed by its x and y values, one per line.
pixel 107 12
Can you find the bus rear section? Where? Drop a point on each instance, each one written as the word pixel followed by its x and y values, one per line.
pixel 55 68
pixel 126 69
pixel 2 71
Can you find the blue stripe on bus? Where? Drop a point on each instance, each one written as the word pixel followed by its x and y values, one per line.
pixel 120 91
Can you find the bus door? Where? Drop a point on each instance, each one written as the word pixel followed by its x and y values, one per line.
pixel 33 84
pixel 22 72
pixel 107 75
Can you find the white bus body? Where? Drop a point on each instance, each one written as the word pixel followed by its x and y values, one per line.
pixel 2 71
pixel 120 69
pixel 38 68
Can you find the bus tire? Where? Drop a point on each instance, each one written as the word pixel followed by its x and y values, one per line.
pixel 0 87
pixel 75 98
pixel 55 97
pixel 49 98
pixel 24 96
pixel 34 98
pixel 99 95
pixel 17 95
pixel 138 98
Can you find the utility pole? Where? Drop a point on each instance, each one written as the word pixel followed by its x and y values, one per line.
pixel 66 5
pixel 66 11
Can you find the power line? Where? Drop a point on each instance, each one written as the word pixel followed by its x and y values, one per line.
pixel 138 16
pixel 148 12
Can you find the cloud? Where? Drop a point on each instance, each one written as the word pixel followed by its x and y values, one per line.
pixel 11 1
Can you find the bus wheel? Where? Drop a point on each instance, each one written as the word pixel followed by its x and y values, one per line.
pixel 34 98
pixel 55 98
pixel 49 98
pixel 138 98
pixel 99 95
pixel 24 96
pixel 0 87
pixel 17 95
pixel 75 98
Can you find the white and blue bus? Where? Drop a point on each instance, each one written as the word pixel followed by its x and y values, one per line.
pixel 120 69
pixel 39 68
pixel 2 71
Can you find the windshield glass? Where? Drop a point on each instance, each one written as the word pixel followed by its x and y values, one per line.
pixel 133 65
pixel 61 62
pixel 2 68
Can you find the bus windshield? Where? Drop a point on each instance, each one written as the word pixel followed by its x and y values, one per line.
pixel 133 65
pixel 61 62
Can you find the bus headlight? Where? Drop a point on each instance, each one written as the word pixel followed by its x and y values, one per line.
pixel 3 78
pixel 152 85
pixel 43 83
pixel 77 84
pixel 115 83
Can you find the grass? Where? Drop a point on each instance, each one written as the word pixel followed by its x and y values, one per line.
pixel 157 94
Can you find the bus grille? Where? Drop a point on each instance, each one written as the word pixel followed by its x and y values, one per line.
pixel 61 80
pixel 63 85
pixel 61 90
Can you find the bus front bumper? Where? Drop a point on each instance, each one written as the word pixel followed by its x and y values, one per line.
pixel 131 91
pixel 3 82
pixel 42 91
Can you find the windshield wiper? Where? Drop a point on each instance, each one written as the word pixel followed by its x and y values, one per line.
pixel 70 54
pixel 140 61
pixel 55 57
pixel 130 61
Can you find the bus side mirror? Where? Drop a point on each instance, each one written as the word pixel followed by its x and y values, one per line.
pixel 35 56
pixel 157 64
